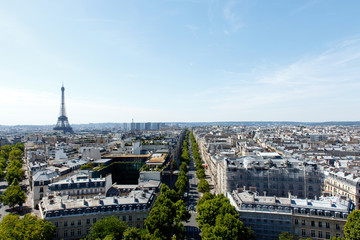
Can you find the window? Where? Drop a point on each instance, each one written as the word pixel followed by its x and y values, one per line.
pixel 327 225
pixel 124 218
pixel 88 221
pixel 72 233
pixel 337 227
pixel 79 231
pixel 320 234
pixel 313 233
pixel 79 222
pixel 296 231
pixel 65 224
pixel 313 223
pixel 65 233
pixel 138 217
pixel 303 232
pixel 303 222
pixel 94 220
pixel 320 224
pixel 327 235
pixel 41 189
pixel 72 223
pixel 296 221
pixel 130 218
pixel 56 224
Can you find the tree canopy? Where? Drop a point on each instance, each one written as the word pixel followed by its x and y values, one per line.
pixel 13 195
pixel 164 220
pixel 28 228
pixel 108 227
pixel 219 220
pixel 286 236
pixel 352 226
pixel 14 173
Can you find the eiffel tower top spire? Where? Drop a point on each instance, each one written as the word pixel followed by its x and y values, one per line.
pixel 63 122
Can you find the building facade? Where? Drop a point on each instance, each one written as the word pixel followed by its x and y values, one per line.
pixel 270 176
pixel 346 184
pixel 303 218
pixel 73 218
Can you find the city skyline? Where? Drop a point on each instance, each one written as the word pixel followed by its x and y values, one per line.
pixel 179 61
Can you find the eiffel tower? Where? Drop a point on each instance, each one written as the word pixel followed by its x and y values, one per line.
pixel 63 122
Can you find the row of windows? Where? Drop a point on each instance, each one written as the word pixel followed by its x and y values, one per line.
pixel 319 224
pixel 313 233
pixel 88 220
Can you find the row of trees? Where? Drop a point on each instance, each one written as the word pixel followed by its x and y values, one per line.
pixel 182 182
pixel 203 185
pixel 29 227
pixel 11 161
pixel 218 219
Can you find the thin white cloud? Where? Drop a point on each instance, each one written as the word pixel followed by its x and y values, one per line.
pixel 304 7
pixel 193 29
pixel 310 89
pixel 231 17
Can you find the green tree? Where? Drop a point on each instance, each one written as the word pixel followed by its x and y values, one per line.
pixel 29 228
pixel 13 195
pixel 15 154
pixel 207 196
pixel 14 164
pixel 2 174
pixel 5 151
pixel 133 234
pixel 108 227
pixel 14 173
pixel 227 226
pixel 203 186
pixel 286 236
pixel 181 184
pixel 20 146
pixel 166 217
pixel 200 173
pixel 184 167
pixel 352 226
pixel 3 163
pixel 210 209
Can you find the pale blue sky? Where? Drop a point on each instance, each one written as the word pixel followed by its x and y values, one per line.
pixel 178 60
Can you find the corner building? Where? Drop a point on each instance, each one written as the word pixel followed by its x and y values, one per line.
pixel 74 217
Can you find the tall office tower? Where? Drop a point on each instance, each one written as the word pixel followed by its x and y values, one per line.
pixel 132 125
pixel 148 126
pixel 63 122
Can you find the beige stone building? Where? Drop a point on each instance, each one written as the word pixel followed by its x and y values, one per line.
pixel 345 184
pixel 268 216
pixel 74 217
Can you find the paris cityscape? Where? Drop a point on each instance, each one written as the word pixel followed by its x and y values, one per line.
pixel 180 119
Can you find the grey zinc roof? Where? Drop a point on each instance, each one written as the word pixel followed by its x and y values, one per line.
pixel 45 175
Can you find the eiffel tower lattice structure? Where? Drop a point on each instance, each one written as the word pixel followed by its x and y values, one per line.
pixel 63 122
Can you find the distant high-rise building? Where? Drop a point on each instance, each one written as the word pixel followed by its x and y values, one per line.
pixel 63 122
pixel 138 126
pixel 156 126
pixel 148 126
pixel 132 126
pixel 125 126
